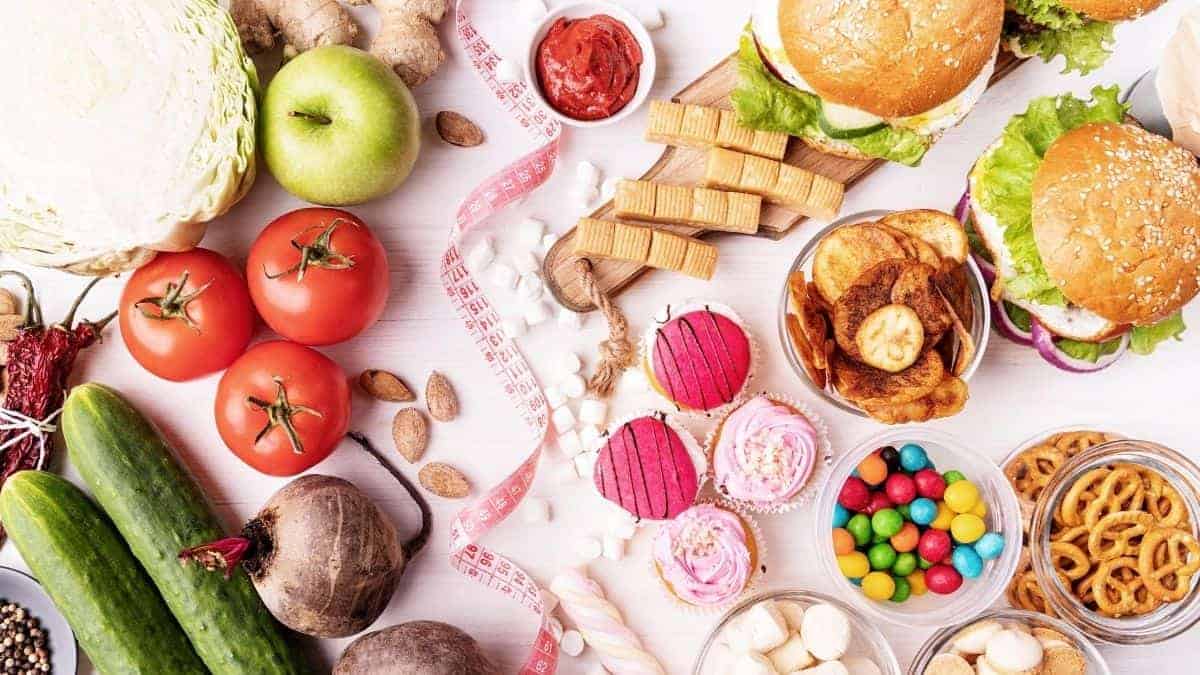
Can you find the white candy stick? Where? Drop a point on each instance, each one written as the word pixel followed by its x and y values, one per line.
pixel 530 287
pixel 602 626
pixel 589 437
pixel 569 364
pixel 584 463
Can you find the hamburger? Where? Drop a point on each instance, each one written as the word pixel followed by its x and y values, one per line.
pixel 1080 30
pixel 1090 228
pixel 866 80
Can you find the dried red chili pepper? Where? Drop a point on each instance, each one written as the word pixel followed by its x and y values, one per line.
pixel 39 361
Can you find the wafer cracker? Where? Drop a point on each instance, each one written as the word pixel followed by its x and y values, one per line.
pixel 700 261
pixel 665 121
pixel 700 125
pixel 772 144
pixel 724 169
pixel 631 242
pixel 594 237
pixel 789 186
pixel 673 204
pixel 731 134
pixel 635 199
pixel 743 212
pixel 825 199
pixel 667 250
pixel 709 206
pixel 759 175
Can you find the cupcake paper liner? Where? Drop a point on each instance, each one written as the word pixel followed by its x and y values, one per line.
pixel 752 583
pixel 668 312
pixel 822 463
pixel 694 450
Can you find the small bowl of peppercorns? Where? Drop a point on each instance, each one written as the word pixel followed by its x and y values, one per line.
pixel 34 637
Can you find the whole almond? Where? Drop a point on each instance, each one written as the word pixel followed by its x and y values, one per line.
pixel 9 323
pixel 444 480
pixel 410 431
pixel 456 129
pixel 385 386
pixel 440 398
pixel 8 302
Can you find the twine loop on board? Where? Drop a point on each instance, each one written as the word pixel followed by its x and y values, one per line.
pixel 617 352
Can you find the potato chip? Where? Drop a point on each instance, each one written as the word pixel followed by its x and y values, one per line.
pixel 940 230
pixel 846 253
pixel 868 386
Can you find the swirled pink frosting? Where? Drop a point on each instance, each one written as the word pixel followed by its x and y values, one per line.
pixel 765 452
pixel 703 554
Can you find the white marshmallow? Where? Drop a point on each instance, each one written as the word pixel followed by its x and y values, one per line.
pixel 481 254
pixel 569 319
pixel 982 665
pixel 826 631
pixel 503 276
pixel 548 241
pixel 549 604
pixel 582 196
pixel 535 510
pixel 525 262
pixel 1014 651
pixel 555 398
pixel 569 444
pixel 530 287
pixel 569 363
pixel 590 437
pixel 792 611
pixel 530 231
pixel 531 10
pixel 571 643
pixel 573 386
pixel 587 174
pixel 584 463
pixel 565 473
pixel 508 70
pixel 536 313
pixel 766 626
pixel 791 655
pixel 563 419
pixel 621 523
pixel 753 664
pixel 593 411
pixel 737 637
pixel 614 547
pixel 720 658
pixel 974 638
pixel 828 668
pixel 514 326
pixel 588 548
pixel 860 665
pixel 608 189
pixel 650 16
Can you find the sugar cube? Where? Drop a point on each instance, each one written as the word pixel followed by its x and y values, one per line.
pixel 555 398
pixel 503 276
pixel 564 419
pixel 525 262
pixel 574 386
pixel 650 16
pixel 536 313
pixel 571 643
pixel 569 443
pixel 508 70
pixel 530 231
pixel 582 197
pixel 482 254
pixel 753 664
pixel 826 631
pixel 608 189
pixel 614 547
pixel 530 286
pixel 588 548
pixel 589 437
pixel 586 174
pixel 593 411
pixel 621 524
pixel 514 326
pixel 556 627
pixel 535 510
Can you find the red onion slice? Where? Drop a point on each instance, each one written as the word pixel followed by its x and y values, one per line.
pixel 1005 326
pixel 1043 341
pixel 963 210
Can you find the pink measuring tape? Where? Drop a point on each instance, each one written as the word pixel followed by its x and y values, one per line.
pixel 511 183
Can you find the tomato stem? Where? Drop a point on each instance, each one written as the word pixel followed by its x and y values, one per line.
pixel 173 304
pixel 280 413
pixel 320 253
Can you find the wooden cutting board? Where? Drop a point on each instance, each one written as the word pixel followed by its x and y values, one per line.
pixel 685 166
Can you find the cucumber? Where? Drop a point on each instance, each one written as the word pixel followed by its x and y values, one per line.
pixel 89 573
pixel 842 121
pixel 159 510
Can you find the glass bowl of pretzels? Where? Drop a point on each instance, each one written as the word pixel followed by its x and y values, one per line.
pixel 1112 538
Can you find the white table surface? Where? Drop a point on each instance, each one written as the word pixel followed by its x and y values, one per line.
pixel 1013 396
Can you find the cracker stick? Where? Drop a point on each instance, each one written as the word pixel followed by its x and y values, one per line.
pixel 712 209
pixel 791 187
pixel 646 246
pixel 695 126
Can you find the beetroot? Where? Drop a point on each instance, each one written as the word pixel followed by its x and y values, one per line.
pixel 415 648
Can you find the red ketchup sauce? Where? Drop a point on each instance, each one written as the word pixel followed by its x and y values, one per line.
pixel 588 69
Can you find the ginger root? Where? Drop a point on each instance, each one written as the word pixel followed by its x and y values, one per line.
pixel 407 40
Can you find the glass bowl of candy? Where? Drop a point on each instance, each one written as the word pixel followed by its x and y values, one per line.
pixel 1009 641
pixel 1113 542
pixel 922 530
pixel 786 631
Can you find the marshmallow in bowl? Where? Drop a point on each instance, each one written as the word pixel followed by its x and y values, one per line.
pixel 793 613
pixel 828 668
pixel 860 665
pixel 826 631
pixel 791 655
pixel 751 663
pixel 974 638
pixel 1014 651
pixel 765 626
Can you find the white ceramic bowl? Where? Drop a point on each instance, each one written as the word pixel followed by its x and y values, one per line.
pixel 580 10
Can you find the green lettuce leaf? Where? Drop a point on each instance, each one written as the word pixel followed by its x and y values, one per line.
pixel 1020 316
pixel 1085 43
pixel 1087 351
pixel 764 102
pixel 1144 339
pixel 1004 183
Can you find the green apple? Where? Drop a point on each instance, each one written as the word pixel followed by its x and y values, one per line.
pixel 339 127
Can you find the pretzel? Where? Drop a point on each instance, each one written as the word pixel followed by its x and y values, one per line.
pixel 1073 504
pixel 1031 470
pixel 1079 563
pixel 1163 501
pixel 1122 490
pixel 1146 602
pixel 1182 561
pixel 1114 598
pixel 1025 592
pixel 1119 528
pixel 1072 443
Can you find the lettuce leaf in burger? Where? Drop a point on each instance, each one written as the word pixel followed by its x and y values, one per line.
pixel 1079 30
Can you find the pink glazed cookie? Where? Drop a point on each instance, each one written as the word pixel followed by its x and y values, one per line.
pixel 648 467
pixel 699 358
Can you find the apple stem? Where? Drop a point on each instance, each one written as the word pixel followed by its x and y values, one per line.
pixel 319 119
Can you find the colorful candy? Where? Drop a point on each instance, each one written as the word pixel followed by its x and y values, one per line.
pixel 878 502
pixel 841 515
pixel 952 477
pixel 916 581
pixel 891 457
pixel 906 539
pixel 900 488
pixel 906 564
pixel 944 517
pixel 913 458
pixel 887 522
pixel 843 541
pixel 934 545
pixel 967 562
pixel 903 590
pixel 921 511
pixel 878 586
pixel 881 556
pixel 962 496
pixel 859 527
pixel 872 469
pixel 854 565
pixel 930 484
pixel 855 494
pixel 943 579
pixel 967 528
pixel 990 546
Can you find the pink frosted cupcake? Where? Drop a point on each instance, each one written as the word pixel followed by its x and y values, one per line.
pixel 698 356
pixel 650 467
pixel 764 452
pixel 706 556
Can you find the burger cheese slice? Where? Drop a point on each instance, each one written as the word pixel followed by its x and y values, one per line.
pixel 1092 226
pixel 1080 30
pixel 866 80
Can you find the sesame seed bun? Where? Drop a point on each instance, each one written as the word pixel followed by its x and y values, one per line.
pixel 893 59
pixel 1116 218
pixel 1112 10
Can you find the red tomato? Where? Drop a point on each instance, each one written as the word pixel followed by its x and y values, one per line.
pixel 318 276
pixel 282 407
pixel 187 314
